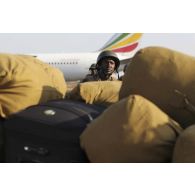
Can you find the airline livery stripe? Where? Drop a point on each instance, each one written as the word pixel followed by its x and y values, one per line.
pixel 127 48
pixel 115 36
pixel 131 39
pixel 116 40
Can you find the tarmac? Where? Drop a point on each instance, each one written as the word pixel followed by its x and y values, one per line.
pixel 71 85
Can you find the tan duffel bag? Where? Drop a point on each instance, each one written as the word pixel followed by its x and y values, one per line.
pixel 184 151
pixel 165 77
pixel 132 130
pixel 26 81
pixel 97 92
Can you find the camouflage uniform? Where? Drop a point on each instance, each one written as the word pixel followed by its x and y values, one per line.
pixel 96 77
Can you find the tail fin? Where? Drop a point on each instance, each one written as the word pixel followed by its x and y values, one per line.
pixel 122 42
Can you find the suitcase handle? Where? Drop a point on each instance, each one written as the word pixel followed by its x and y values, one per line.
pixel 37 150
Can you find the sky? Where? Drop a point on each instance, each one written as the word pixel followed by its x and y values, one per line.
pixel 183 42
pixel 87 42
pixel 52 42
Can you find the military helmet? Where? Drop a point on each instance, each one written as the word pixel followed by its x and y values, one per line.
pixel 108 54
pixel 92 67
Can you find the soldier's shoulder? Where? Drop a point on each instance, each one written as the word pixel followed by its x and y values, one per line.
pixel 113 77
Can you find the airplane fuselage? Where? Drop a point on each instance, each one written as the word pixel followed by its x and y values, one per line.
pixel 74 66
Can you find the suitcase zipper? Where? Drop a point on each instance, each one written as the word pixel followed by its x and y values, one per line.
pixel 74 110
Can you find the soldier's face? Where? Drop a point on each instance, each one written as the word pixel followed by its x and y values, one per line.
pixel 108 66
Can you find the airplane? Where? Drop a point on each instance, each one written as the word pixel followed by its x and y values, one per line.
pixel 75 66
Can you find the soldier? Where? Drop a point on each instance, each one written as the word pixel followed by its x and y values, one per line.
pixel 92 69
pixel 107 64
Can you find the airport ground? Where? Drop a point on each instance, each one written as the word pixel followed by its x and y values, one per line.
pixel 71 85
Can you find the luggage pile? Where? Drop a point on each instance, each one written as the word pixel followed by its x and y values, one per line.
pixel 37 123
pixel 150 123
pixel 148 117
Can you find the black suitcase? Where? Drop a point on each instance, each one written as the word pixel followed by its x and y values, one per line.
pixel 48 132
